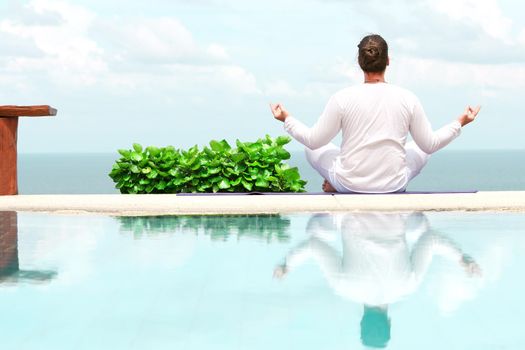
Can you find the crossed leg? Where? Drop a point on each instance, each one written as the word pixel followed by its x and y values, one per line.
pixel 323 160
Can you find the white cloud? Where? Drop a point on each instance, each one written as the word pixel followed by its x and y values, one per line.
pixel 13 45
pixel 351 72
pixel 407 70
pixel 155 41
pixel 82 49
pixel 219 78
pixel 406 43
pixel 69 55
pixel 460 31
pixel 33 15
pixel 323 81
pixel 239 77
pixel 280 88
pixel 217 51
pixel 486 14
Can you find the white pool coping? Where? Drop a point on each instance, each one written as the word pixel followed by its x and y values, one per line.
pixel 170 204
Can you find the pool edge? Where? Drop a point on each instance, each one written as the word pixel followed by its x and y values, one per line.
pixel 170 204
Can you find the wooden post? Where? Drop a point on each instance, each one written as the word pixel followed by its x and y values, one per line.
pixel 8 142
pixel 8 176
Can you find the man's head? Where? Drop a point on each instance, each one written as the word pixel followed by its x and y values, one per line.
pixel 373 54
pixel 375 327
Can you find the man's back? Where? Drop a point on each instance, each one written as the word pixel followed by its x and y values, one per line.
pixel 375 121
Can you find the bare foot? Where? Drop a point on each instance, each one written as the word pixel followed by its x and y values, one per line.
pixel 327 187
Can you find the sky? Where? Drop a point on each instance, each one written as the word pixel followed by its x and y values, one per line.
pixel 182 72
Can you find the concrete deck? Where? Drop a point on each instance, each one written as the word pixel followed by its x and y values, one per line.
pixel 134 205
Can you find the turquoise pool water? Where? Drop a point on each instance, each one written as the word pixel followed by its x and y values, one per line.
pixel 342 281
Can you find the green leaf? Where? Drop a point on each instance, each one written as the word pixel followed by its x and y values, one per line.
pixel 134 169
pixel 154 151
pixel 216 146
pixel 283 154
pixel 136 156
pixel 152 174
pixel 236 181
pixel 296 187
pixel 239 168
pixel 137 147
pixel 262 183
pixel 247 185
pixel 224 184
pixel 161 185
pixel 225 145
pixel 220 146
pixel 124 152
pixel 207 151
pixel 257 164
pixel 193 150
pixel 215 179
pixel 237 157
pixel 291 174
pixel 282 140
pixel 255 147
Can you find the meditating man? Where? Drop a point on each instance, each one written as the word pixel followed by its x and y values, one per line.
pixel 375 119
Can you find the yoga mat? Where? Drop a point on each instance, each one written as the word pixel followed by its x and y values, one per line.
pixel 317 193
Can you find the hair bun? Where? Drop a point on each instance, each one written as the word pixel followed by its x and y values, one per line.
pixel 373 53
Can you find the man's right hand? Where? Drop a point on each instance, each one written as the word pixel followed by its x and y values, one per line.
pixel 468 115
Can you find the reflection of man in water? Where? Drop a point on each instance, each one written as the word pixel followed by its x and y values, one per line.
pixel 378 267
pixel 9 267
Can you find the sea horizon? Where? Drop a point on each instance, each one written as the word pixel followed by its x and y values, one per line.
pixel 447 170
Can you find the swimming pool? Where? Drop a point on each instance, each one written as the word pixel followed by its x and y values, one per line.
pixel 307 281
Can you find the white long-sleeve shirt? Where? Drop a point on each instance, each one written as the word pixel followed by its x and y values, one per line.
pixel 375 120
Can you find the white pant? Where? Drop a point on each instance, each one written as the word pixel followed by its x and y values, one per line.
pixel 323 160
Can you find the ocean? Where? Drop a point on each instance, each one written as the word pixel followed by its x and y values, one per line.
pixel 446 171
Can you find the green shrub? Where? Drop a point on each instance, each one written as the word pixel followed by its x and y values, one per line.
pixel 251 166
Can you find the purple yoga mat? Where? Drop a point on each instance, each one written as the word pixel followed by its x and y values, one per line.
pixel 315 193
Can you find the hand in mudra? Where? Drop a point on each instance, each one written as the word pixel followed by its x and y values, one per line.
pixel 279 112
pixel 468 115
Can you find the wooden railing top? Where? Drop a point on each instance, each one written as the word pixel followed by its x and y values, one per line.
pixel 27 111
